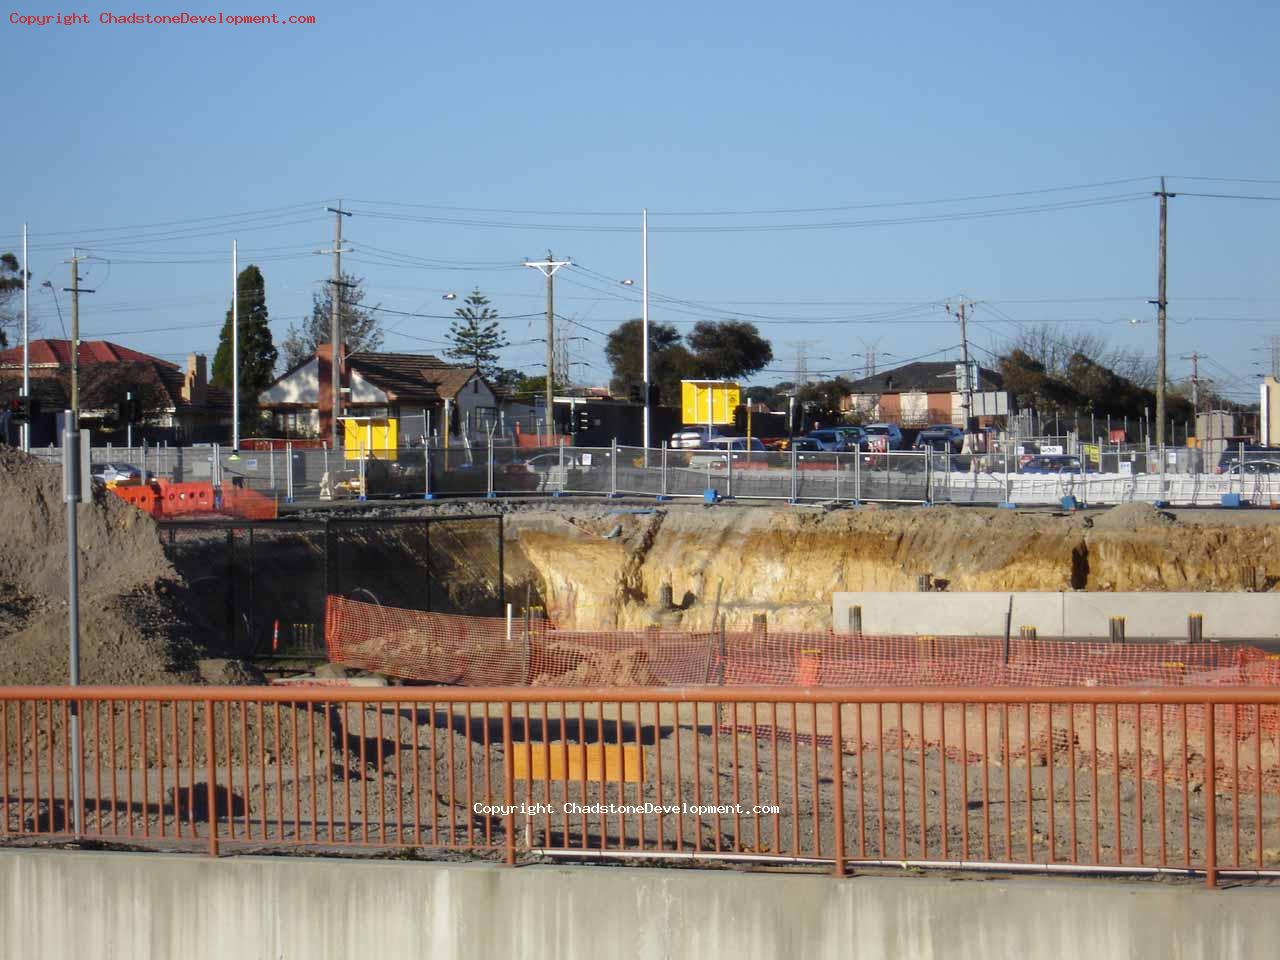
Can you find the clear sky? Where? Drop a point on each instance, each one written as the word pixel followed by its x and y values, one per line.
pixel 469 137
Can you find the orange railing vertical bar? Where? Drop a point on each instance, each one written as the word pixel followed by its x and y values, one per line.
pixel 508 782
pixel 211 776
pixel 1211 797
pixel 837 781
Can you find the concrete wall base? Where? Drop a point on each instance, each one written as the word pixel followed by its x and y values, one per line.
pixel 91 905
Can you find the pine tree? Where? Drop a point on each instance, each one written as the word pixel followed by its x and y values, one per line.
pixel 258 352
pixel 475 337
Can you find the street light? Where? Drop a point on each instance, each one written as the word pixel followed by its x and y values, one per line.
pixel 449 296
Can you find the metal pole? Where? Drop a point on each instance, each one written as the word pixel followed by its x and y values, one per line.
pixel 335 325
pixel 1161 304
pixel 857 475
pixel 426 469
pixel 664 468
pixel 235 347
pixel 613 469
pixel 75 339
pixel 26 337
pixel 794 489
pixel 71 486
pixel 644 324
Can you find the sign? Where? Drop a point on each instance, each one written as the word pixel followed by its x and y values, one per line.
pixel 1126 468
pixel 1052 449
pixel 1092 452
pixel 709 402
pixel 585 459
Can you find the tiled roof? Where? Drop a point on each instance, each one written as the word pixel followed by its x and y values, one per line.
pixel 91 351
pixel 927 377
pixel 410 376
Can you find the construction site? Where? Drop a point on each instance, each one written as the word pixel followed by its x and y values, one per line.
pixel 583 679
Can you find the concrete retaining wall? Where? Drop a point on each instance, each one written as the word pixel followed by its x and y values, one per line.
pixel 89 905
pixel 1078 614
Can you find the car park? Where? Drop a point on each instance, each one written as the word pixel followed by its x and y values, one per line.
pixel 832 441
pixel 855 438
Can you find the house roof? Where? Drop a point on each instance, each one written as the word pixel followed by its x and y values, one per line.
pixel 47 352
pixel 411 376
pixel 922 377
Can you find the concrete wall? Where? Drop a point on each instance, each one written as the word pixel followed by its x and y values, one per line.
pixel 1079 614
pixel 89 905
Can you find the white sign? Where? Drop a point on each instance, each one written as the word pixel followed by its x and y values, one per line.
pixel 1052 449
pixel 1126 468
pixel 586 459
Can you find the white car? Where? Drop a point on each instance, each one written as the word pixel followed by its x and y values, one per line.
pixel 717 449
pixel 888 431
pixel 694 438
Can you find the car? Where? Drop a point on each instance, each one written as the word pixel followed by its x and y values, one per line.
pixel 884 433
pixel 717 449
pixel 943 439
pixel 116 474
pixel 1253 467
pixel 693 438
pixel 832 441
pixel 855 438
pixel 805 445
pixel 1056 463
pixel 1229 461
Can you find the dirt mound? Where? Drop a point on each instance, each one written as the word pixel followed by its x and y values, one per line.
pixel 131 630
pixel 1132 516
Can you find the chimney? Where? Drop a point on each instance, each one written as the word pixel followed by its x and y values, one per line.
pixel 195 385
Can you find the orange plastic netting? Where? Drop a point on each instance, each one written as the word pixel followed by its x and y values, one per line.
pixel 483 651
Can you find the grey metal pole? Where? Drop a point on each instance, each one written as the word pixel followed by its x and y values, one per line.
pixel 613 469
pixel 857 475
pixel 664 468
pixel 794 489
pixel 644 323
pixel 426 468
pixel 490 466
pixel 71 487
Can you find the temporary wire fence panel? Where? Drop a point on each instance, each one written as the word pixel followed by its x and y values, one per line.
pixel 1126 781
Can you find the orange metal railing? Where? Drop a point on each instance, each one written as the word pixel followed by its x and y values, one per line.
pixel 1129 781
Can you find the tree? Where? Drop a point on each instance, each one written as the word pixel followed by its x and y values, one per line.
pixel 822 399
pixel 475 336
pixel 258 352
pixel 359 325
pixel 11 283
pixel 728 349
pixel 669 361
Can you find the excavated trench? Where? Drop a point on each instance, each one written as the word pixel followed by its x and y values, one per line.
pixel 684 566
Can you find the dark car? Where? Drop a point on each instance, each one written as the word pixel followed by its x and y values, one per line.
pixel 1229 461
pixel 940 439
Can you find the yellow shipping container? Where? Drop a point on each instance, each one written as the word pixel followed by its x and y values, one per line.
pixel 709 401
pixel 375 437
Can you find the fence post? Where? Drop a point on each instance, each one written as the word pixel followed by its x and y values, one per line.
pixel 508 781
pixel 837 478
pixel 837 779
pixel 794 485
pixel 1116 628
pixel 664 471
pixel 426 470
pixel 489 493
pixel 288 475
pixel 728 462
pixel 613 469
pixel 855 618
pixel 327 474
pixel 857 474
pixel 1195 628
pixel 211 773
pixel 1211 799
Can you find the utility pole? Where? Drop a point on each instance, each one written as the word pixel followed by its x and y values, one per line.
pixel 75 291
pixel 26 340
pixel 235 347
pixel 1195 380
pixel 1161 303
pixel 644 323
pixel 335 325
pixel 548 268
pixel 966 387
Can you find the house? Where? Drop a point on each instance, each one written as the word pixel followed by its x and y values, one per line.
pixel 173 404
pixel 921 393
pixel 420 390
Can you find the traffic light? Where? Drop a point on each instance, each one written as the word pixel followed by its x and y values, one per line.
pixel 584 421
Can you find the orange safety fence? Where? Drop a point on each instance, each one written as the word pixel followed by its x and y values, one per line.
pixel 163 499
pixel 481 651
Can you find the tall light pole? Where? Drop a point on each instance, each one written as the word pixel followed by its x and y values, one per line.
pixel 644 320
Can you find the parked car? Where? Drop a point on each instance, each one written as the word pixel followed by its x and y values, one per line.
pixel 855 438
pixel 1056 463
pixel 693 438
pixel 116 474
pixel 1230 458
pixel 887 432
pixel 943 439
pixel 832 441
pixel 718 449
pixel 1252 467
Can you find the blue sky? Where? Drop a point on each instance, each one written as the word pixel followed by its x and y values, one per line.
pixel 570 120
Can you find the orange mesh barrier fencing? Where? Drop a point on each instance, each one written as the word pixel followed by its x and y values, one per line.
pixel 477 651
pixel 163 500
pixel 248 504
